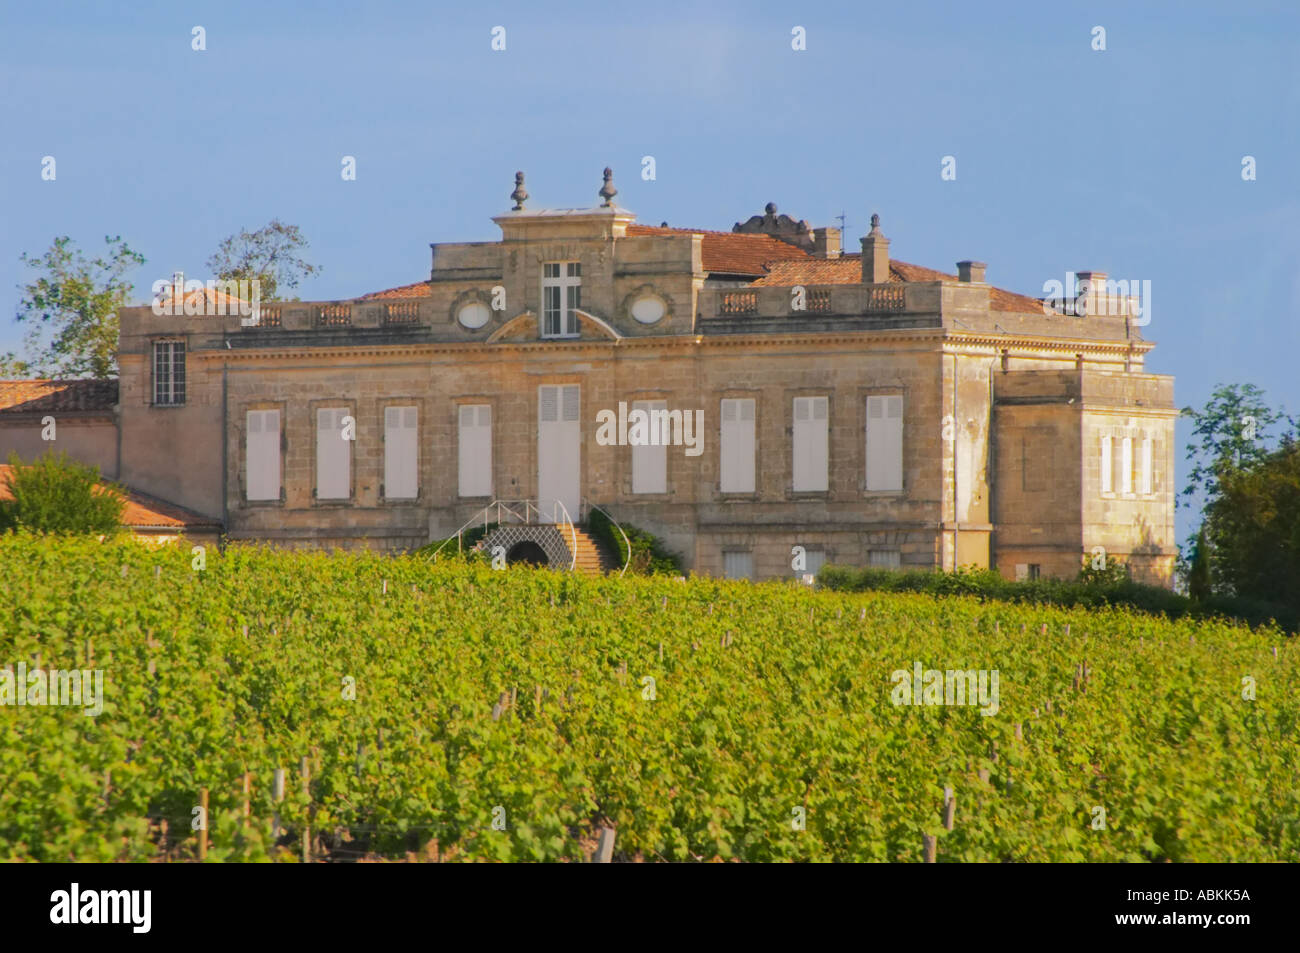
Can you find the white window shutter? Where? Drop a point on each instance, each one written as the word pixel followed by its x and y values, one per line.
pixel 401 453
pixel 1126 465
pixel 650 463
pixel 738 565
pixel 736 448
pixel 262 450
pixel 475 444
pixel 1146 466
pixel 333 455
pixel 885 442
pixel 572 401
pixel 810 444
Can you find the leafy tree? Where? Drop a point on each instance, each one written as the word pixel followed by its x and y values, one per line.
pixel 272 255
pixel 1253 526
pixel 1232 428
pixel 72 306
pixel 57 495
pixel 1198 573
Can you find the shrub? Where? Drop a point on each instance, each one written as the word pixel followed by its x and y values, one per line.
pixel 648 553
pixel 54 494
pixel 1092 589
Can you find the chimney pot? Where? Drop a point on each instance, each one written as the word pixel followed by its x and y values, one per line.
pixel 971 271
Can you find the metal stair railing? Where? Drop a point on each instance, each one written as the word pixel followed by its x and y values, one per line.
pixel 572 532
pixel 626 542
pixel 503 507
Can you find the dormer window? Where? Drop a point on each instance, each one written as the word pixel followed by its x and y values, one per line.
pixel 561 295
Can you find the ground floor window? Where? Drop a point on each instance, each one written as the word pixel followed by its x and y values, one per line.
pixel 738 565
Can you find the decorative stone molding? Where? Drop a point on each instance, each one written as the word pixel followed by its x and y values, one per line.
pixel 472 296
pixel 643 291
pixel 783 227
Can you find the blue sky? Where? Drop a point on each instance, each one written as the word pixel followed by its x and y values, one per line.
pixel 1126 161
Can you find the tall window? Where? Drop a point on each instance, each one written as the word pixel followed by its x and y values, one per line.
pixel 1145 485
pixel 561 294
pixel 885 558
pixel 650 463
pixel 736 448
pixel 885 442
pixel 475 444
pixel 262 452
pixel 1126 465
pixel 333 455
pixel 169 373
pixel 811 448
pixel 1107 472
pixel 401 453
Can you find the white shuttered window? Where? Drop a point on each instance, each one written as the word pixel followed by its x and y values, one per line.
pixel 475 443
pixel 738 565
pixel 885 442
pixel 650 463
pixel 736 448
pixel 401 453
pixel 1146 466
pixel 1107 472
pixel 333 455
pixel 1126 465
pixel 811 446
pixel 262 452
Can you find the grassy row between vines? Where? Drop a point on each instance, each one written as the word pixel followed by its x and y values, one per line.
pixel 791 715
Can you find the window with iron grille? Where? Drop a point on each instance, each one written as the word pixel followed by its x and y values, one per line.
pixel 561 296
pixel 168 373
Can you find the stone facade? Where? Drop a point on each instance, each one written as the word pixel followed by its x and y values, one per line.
pixel 1003 406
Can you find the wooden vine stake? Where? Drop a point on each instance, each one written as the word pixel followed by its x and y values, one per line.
pixel 605 847
pixel 928 846
pixel 661 651
pixel 248 799
pixel 949 808
pixel 203 831
pixel 277 794
pixel 305 769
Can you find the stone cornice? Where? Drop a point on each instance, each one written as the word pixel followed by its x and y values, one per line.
pixel 987 345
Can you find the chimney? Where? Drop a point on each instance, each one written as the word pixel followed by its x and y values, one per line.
pixel 971 272
pixel 826 242
pixel 875 255
pixel 1091 293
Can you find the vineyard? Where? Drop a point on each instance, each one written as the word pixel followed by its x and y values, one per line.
pixel 451 712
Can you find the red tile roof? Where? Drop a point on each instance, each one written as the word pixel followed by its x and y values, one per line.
pixel 418 289
pixel 142 510
pixel 847 270
pixel 42 396
pixel 731 253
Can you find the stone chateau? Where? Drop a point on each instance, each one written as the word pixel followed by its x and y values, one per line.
pixel 868 410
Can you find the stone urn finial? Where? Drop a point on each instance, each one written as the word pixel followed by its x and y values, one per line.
pixel 770 208
pixel 607 191
pixel 875 224
pixel 519 194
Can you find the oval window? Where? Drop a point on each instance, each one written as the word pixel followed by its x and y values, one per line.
pixel 648 309
pixel 474 315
